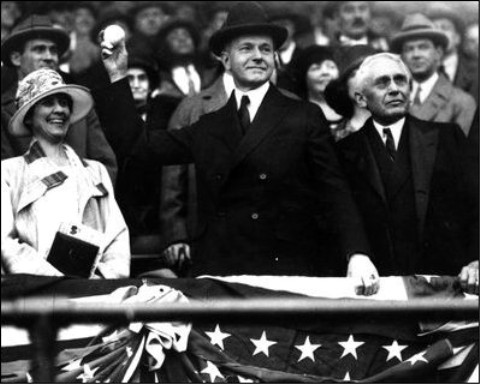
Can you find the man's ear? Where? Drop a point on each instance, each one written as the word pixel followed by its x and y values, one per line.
pixel 360 99
pixel 15 58
pixel 440 52
pixel 225 59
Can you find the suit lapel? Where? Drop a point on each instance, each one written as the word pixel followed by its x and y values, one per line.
pixel 367 163
pixel 423 148
pixel 216 97
pixel 434 103
pixel 270 113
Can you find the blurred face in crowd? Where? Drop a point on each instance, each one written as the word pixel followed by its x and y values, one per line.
pixel 422 58
pixel 250 59
pixel 63 18
pixel 448 27
pixel 180 41
pixel 10 13
pixel 470 41
pixel 218 19
pixel 139 84
pixel 186 12
pixel 84 21
pixel 50 118
pixel 149 20
pixel 353 18
pixel 384 89
pixel 37 53
pixel 319 75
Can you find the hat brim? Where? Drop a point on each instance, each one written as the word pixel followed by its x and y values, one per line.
pixel 438 38
pixel 223 36
pixel 15 41
pixel 82 104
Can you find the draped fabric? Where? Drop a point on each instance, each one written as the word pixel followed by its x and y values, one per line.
pixel 323 350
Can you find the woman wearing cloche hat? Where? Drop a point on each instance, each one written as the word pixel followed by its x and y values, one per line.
pixel 50 191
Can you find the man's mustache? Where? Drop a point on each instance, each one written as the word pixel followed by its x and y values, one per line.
pixel 358 22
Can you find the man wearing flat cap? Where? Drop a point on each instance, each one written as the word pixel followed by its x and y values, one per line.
pixel 33 44
pixel 265 164
pixel 433 96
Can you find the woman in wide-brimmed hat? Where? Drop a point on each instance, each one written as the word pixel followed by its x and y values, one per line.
pixel 50 189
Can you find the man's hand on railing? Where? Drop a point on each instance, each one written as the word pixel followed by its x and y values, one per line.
pixel 177 256
pixel 361 267
pixel 469 277
pixel 114 56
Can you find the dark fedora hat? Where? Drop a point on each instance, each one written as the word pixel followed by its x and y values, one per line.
pixel 246 18
pixel 418 26
pixel 34 27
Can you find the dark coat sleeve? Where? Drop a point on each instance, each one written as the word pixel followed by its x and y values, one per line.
pixel 333 185
pixel 98 147
pixel 127 135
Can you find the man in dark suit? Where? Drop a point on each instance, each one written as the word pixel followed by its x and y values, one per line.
pixel 35 43
pixel 411 181
pixel 265 164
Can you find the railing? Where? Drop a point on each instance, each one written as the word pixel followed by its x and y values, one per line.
pixel 43 321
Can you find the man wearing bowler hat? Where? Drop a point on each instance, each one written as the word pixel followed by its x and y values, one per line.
pixel 33 44
pixel 433 96
pixel 266 167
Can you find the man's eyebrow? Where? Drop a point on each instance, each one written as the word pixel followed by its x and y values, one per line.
pixel 381 79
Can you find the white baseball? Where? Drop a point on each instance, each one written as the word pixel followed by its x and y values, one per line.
pixel 113 34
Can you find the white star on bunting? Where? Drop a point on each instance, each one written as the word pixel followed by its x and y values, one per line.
pixel 75 364
pixel 350 347
pixel 394 350
pixel 213 371
pixel 418 357
pixel 347 377
pixel 244 380
pixel 307 349
pixel 87 374
pixel 262 344
pixel 217 336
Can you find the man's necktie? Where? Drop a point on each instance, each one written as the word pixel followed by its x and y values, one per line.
pixel 416 99
pixel 243 114
pixel 390 144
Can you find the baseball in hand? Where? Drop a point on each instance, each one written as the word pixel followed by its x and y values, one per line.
pixel 113 34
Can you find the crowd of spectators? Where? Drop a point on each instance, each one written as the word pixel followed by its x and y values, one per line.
pixel 175 79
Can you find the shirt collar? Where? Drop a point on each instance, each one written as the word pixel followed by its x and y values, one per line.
pixel 348 41
pixel 396 129
pixel 256 97
pixel 427 87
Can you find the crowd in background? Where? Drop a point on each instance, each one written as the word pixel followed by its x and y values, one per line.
pixel 170 63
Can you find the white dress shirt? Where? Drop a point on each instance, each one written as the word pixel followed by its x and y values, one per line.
pixel 349 42
pixel 180 76
pixel 256 97
pixel 427 87
pixel 396 129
